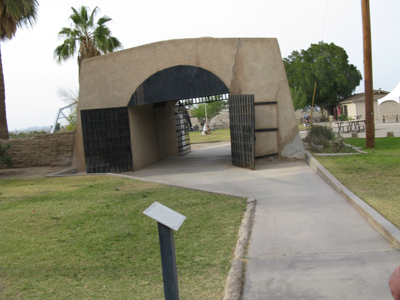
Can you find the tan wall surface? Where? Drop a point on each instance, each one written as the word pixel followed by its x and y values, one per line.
pixel 351 110
pixel 166 130
pixel 360 109
pixel 52 149
pixel 376 110
pixel 153 134
pixel 145 147
pixel 245 65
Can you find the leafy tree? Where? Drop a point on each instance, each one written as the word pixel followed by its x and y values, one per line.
pixel 85 36
pixel 13 15
pixel 328 66
pixel 72 118
pixel 213 110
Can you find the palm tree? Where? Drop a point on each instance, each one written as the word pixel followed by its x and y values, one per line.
pixel 13 14
pixel 93 39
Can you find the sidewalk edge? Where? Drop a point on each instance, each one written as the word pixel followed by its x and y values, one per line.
pixel 384 227
pixel 234 281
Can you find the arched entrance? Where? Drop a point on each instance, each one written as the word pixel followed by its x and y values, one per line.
pixel 156 122
pixel 132 93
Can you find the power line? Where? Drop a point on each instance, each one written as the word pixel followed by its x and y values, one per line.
pixel 323 27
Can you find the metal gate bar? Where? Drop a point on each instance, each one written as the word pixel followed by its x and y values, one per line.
pixel 182 130
pixel 106 140
pixel 242 124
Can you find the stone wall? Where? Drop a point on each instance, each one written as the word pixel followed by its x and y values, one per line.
pixel 53 149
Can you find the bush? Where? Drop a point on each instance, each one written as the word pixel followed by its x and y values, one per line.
pixel 343 118
pixel 320 135
pixel 4 157
pixel 323 139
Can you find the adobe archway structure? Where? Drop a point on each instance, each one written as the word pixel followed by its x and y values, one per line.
pixel 114 100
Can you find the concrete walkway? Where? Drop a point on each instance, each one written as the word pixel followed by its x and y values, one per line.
pixel 307 241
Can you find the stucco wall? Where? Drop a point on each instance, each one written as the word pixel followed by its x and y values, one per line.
pixel 153 134
pixel 166 130
pixel 245 65
pixel 144 141
pixel 53 149
pixel 351 110
pixel 360 107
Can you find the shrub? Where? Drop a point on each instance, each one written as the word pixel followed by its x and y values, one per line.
pixel 343 118
pixel 320 135
pixel 4 157
pixel 323 139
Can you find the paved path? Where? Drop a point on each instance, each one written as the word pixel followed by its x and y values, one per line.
pixel 307 241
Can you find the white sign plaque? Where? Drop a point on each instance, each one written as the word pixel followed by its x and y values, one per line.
pixel 165 215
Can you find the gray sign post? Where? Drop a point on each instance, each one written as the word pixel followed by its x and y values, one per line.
pixel 168 220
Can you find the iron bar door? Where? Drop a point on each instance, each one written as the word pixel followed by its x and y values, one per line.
pixel 242 125
pixel 107 140
pixel 182 130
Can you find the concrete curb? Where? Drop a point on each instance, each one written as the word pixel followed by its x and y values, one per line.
pixel 384 227
pixel 72 173
pixel 233 285
pixel 67 172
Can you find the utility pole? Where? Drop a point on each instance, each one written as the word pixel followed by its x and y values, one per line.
pixel 369 105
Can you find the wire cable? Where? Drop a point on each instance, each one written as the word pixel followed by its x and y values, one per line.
pixel 323 27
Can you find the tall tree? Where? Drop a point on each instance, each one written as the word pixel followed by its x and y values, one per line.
pixel 213 110
pixel 328 66
pixel 13 15
pixel 85 36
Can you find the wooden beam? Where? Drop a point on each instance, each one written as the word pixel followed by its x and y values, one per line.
pixel 369 105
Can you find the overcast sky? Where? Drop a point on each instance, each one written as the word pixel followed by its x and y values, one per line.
pixel 32 76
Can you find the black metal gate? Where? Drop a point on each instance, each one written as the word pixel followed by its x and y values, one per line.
pixel 107 140
pixel 182 125
pixel 242 124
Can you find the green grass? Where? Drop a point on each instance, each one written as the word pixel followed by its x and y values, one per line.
pixel 219 135
pixel 86 238
pixel 302 127
pixel 374 177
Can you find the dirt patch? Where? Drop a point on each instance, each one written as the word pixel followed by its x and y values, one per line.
pixel 29 173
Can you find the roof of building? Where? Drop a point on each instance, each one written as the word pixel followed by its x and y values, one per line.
pixel 393 96
pixel 378 94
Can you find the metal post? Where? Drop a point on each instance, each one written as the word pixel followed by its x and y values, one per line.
pixel 168 261
pixel 312 105
pixel 369 105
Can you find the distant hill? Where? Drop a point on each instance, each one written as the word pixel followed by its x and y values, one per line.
pixel 33 128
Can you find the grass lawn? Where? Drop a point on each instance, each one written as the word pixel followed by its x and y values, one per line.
pixel 219 135
pixel 86 238
pixel 374 177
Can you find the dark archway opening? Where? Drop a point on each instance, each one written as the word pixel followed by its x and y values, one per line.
pixel 178 83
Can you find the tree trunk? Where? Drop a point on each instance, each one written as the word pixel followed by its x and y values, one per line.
pixel 3 117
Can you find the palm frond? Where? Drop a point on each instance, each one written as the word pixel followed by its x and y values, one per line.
pixel 102 31
pixel 14 14
pixel 75 17
pixel 65 31
pixel 84 13
pixel 92 15
pixel 65 51
pixel 93 39
pixel 103 20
